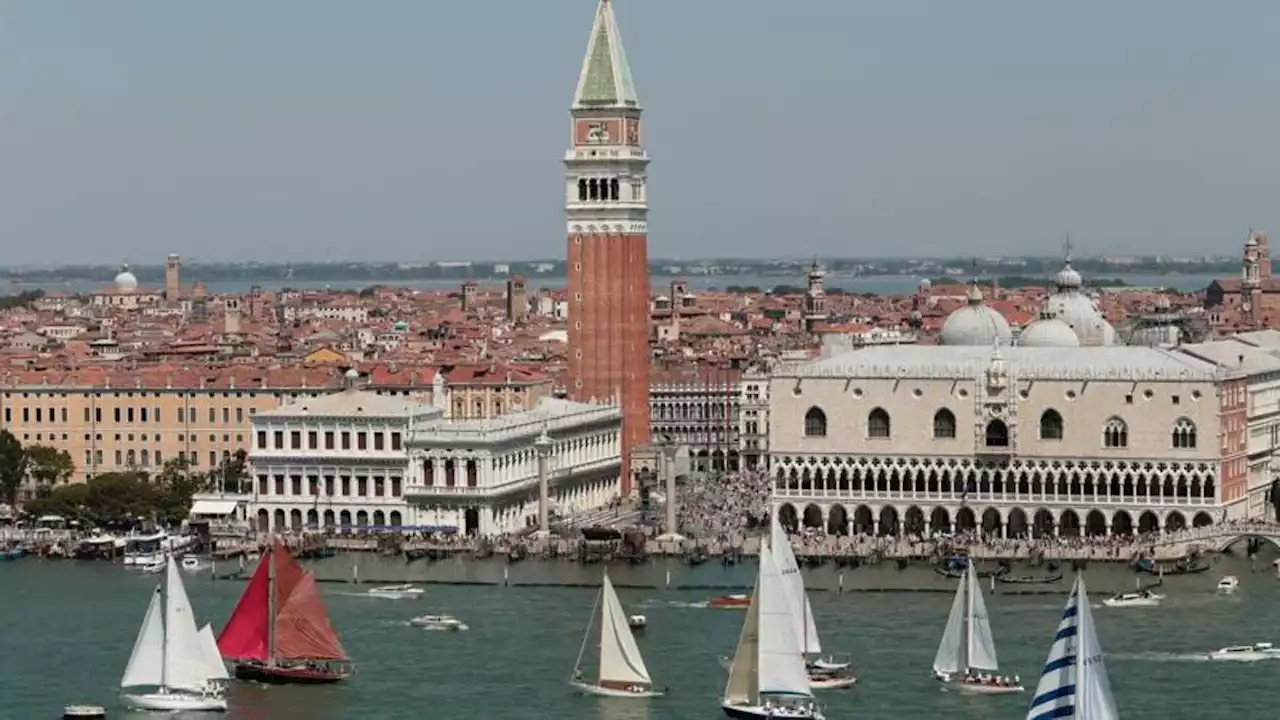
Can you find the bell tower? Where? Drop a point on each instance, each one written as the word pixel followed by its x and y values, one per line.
pixel 607 211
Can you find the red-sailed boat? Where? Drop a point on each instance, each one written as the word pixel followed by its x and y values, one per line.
pixel 730 602
pixel 280 631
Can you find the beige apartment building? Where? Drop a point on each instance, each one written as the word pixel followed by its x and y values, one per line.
pixel 111 421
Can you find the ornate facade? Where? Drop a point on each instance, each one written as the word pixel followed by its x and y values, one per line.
pixel 1016 441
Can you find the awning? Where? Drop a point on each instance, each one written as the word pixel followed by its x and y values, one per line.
pixel 214 507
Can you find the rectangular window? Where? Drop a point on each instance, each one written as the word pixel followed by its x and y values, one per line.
pixel 295 484
pixel 377 441
pixel 295 439
pixel 378 486
pixel 213 416
pixel 182 414
pixel 279 484
pixel 262 484
pixel 328 485
pixel 8 416
pixel 239 415
pixel 328 440
pixel 346 485
pixel 262 439
pixel 346 440
pixel 39 415
pixel 213 458
pixel 129 414
pixel 155 414
pixel 362 486
pixel 97 458
pixel 86 416
pixel 279 439
pixel 119 458
pixel 312 440
pixel 97 414
pixel 116 414
pixel 395 487
pixel 88 457
pixel 64 415
pixel 362 441
pixel 142 414
pixel 395 441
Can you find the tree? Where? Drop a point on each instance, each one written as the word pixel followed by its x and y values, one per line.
pixel 13 467
pixel 49 465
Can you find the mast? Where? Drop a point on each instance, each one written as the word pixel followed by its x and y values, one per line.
pixel 271 604
pixel 164 639
pixel 968 591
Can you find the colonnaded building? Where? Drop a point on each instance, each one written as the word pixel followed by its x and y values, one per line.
pixel 1057 432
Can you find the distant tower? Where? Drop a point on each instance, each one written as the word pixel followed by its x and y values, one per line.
pixel 608 263
pixel 815 299
pixel 172 278
pixel 468 296
pixel 1251 279
pixel 517 300
pixel 231 316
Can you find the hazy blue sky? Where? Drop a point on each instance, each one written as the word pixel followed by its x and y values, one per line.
pixel 434 129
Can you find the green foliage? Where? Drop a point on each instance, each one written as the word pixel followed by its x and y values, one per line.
pixel 9 302
pixel 164 497
pixel 49 465
pixel 13 467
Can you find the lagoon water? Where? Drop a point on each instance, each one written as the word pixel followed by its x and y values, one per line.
pixel 68 628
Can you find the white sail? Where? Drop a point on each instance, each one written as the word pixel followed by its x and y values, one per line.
pixel 781 668
pixel 1074 684
pixel 950 657
pixel 212 656
pixel 741 688
pixel 785 557
pixel 982 646
pixel 620 660
pixel 185 660
pixel 146 662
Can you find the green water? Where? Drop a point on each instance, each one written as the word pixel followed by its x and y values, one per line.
pixel 69 627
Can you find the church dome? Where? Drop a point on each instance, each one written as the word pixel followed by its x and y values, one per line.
pixel 1080 312
pixel 125 281
pixel 1048 331
pixel 975 324
pixel 1068 279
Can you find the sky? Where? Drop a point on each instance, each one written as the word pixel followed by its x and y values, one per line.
pixel 420 130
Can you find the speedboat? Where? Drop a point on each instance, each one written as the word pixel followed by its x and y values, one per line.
pixel 191 563
pixel 1228 584
pixel 734 602
pixel 396 592
pixel 154 568
pixel 84 712
pixel 1247 653
pixel 637 622
pixel 1142 598
pixel 438 622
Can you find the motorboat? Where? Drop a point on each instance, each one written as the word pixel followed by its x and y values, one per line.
pixel 1142 598
pixel 621 672
pixel 192 563
pixel 84 712
pixel 730 602
pixel 1228 584
pixel 637 622
pixel 1247 653
pixel 438 622
pixel 154 568
pixel 396 592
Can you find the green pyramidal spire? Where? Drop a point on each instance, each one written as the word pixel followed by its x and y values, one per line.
pixel 605 80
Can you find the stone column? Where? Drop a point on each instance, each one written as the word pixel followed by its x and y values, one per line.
pixel 669 474
pixel 543 447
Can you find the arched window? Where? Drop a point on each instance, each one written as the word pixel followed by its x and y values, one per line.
pixel 582 189
pixel 1115 433
pixel 878 425
pixel 131 459
pixel 997 434
pixel 944 424
pixel 1184 434
pixel 815 423
pixel 1050 425
pixel 613 189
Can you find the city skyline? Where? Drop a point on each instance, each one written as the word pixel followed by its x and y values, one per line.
pixel 1003 128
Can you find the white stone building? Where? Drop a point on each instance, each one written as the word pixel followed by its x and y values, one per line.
pixel 481 476
pixel 1013 440
pixel 338 461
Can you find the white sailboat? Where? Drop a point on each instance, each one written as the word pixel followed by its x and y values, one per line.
pixel 768 678
pixel 170 656
pixel 622 673
pixel 827 672
pixel 966 658
pixel 1075 685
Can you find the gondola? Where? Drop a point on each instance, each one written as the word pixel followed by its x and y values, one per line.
pixel 1186 566
pixel 694 558
pixel 1028 580
pixel 957 574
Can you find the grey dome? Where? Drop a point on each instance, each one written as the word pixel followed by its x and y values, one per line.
pixel 1077 310
pixel 1068 279
pixel 126 282
pixel 1048 332
pixel 975 324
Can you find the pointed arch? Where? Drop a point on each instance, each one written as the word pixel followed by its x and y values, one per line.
pixel 1183 435
pixel 1115 433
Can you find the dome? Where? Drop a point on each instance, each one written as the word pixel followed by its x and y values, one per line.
pixel 975 324
pixel 1067 278
pixel 1048 331
pixel 352 374
pixel 1082 315
pixel 125 281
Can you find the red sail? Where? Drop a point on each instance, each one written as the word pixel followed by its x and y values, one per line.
pixel 245 635
pixel 303 631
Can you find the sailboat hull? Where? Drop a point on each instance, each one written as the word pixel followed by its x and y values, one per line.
pixel 760 712
pixel 970 688
pixel 589 689
pixel 169 702
pixel 832 682
pixel 290 675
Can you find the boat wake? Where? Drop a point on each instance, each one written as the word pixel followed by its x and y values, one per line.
pixel 1160 657
pixel 654 602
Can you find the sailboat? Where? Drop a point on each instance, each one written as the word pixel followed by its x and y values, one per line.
pixel 280 631
pixel 968 647
pixel 768 678
pixel 622 672
pixel 168 655
pixel 824 672
pixel 1075 685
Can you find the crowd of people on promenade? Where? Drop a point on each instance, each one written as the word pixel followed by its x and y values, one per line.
pixel 723 507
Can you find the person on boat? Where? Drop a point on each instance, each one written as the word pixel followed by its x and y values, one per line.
pixel 577 676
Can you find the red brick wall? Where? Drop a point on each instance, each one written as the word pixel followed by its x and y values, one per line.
pixel 609 330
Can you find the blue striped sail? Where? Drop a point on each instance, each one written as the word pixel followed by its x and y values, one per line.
pixel 1074 683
